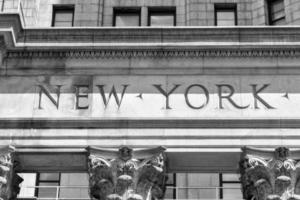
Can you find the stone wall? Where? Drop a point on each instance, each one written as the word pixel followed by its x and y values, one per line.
pixel 109 5
pixel 10 5
pixel 201 13
pixel 292 12
pixel 189 12
pixel 87 13
pixel 29 10
pixel 260 12
pixel 96 13
pixel 259 15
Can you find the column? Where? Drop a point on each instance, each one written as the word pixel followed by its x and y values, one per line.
pixel 270 175
pixel 9 180
pixel 127 174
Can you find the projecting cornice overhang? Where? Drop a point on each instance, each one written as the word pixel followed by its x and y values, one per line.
pixel 194 41
pixel 23 51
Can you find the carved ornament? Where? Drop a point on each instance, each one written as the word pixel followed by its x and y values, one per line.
pixel 129 53
pixel 267 175
pixel 127 174
pixel 9 180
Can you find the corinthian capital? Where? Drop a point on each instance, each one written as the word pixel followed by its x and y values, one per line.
pixel 268 175
pixel 9 180
pixel 127 174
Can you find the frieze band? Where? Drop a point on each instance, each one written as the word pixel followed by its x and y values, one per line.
pixel 225 92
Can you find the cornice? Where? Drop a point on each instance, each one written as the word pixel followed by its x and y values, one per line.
pixel 152 53
pixel 100 43
pixel 112 41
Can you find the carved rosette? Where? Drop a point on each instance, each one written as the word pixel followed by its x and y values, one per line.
pixel 9 180
pixel 267 175
pixel 127 174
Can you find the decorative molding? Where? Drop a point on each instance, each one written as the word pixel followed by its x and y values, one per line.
pixel 48 123
pixel 9 180
pixel 157 53
pixel 149 42
pixel 111 42
pixel 269 175
pixel 127 174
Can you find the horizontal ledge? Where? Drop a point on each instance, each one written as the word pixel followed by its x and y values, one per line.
pixel 247 34
pixel 147 123
pixel 158 45
pixel 64 160
pixel 151 71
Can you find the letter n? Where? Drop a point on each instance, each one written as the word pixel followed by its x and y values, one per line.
pixel 43 90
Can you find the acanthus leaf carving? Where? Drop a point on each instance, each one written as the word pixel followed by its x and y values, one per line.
pixel 269 175
pixel 9 180
pixel 127 174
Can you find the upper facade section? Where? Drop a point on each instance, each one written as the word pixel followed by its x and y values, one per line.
pixel 107 13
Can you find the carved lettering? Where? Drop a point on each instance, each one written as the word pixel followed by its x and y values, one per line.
pixel 228 96
pixel 47 93
pixel 205 93
pixel 166 94
pixel 79 95
pixel 225 93
pixel 257 98
pixel 113 92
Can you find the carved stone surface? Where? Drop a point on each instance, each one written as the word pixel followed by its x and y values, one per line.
pixel 9 180
pixel 270 175
pixel 175 53
pixel 127 174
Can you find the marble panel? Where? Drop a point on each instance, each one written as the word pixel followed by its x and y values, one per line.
pixel 144 97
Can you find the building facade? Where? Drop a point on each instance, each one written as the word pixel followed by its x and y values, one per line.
pixel 149 99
